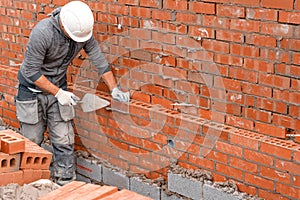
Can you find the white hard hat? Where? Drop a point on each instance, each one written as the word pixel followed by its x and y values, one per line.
pixel 78 20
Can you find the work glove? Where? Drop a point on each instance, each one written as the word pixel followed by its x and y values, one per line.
pixel 66 98
pixel 118 95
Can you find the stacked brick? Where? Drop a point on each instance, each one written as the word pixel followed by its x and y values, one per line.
pixel 22 161
pixel 81 190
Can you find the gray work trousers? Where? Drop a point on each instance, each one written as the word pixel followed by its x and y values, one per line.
pixel 36 113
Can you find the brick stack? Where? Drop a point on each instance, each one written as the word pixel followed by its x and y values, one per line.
pixel 22 161
pixel 81 190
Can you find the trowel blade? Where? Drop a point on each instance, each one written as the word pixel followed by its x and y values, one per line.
pixel 91 102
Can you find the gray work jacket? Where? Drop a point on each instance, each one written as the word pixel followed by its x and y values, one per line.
pixel 49 52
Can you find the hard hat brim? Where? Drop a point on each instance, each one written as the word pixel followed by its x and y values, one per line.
pixel 78 39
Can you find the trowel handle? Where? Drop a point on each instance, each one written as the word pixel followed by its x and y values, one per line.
pixel 77 100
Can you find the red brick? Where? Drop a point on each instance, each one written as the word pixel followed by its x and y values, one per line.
pixel 161 15
pixel 270 195
pixel 289 17
pixel 297 4
pixel 288 4
pixel 230 11
pixel 140 12
pixel 9 163
pixel 216 22
pixel 259 158
pixel 79 192
pixel 228 59
pixel 286 121
pixel 257 114
pixel 246 139
pixel 276 175
pixel 261 40
pixel 229 149
pixel 246 2
pixel 278 148
pixel 244 25
pixel 125 195
pixel 277 29
pixel 240 122
pixel 229 171
pixel 203 162
pixel 186 18
pixel 271 104
pixel 258 65
pixel 244 75
pixel 243 165
pixel 288 190
pixel 271 130
pixel 226 83
pixel 100 193
pixel 68 188
pixel 35 157
pixel 214 45
pixel 176 5
pixel 151 3
pixel 30 175
pixel 202 7
pixel 259 181
pixel 12 145
pixel 290 167
pixel 262 14
pixel 11 177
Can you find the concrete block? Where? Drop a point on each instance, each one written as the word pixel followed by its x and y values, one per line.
pixel 185 186
pixel 212 193
pixel 82 178
pixel 164 196
pixel 141 187
pixel 115 178
pixel 89 169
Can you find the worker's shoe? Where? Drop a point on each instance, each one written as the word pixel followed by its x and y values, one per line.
pixel 64 181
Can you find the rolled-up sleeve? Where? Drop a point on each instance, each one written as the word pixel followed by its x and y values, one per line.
pixel 96 56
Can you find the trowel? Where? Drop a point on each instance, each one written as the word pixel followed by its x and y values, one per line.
pixel 91 102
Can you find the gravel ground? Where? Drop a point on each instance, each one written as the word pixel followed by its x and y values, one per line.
pixel 30 191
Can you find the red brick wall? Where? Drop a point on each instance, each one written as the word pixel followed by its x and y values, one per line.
pixel 235 61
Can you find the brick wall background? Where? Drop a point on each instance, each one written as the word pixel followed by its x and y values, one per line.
pixel 234 62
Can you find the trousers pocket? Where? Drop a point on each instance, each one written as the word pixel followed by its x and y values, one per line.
pixel 66 112
pixel 27 111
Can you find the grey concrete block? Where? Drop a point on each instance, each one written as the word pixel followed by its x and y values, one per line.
pixel 143 188
pixel 185 186
pixel 164 196
pixel 79 177
pixel 89 169
pixel 115 178
pixel 212 193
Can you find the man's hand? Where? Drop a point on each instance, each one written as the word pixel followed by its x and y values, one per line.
pixel 118 95
pixel 66 98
